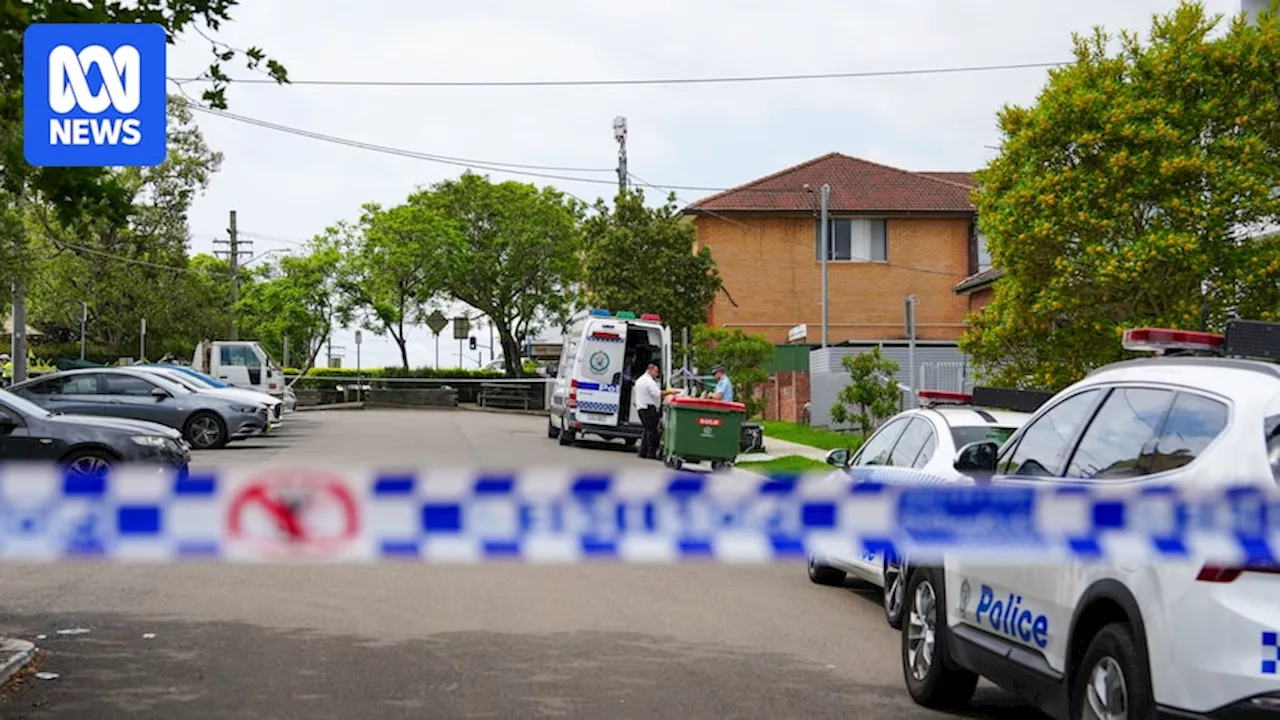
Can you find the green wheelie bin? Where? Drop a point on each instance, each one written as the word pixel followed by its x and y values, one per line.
pixel 701 430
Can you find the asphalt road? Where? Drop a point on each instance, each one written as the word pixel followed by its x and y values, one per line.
pixel 413 641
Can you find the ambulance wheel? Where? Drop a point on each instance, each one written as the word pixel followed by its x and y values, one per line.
pixel 566 437
pixel 931 678
pixel 1112 680
pixel 630 443
pixel 553 432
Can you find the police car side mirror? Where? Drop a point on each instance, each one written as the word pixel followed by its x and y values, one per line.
pixel 977 457
pixel 838 457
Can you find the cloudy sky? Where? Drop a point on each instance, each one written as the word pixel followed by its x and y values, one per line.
pixel 286 188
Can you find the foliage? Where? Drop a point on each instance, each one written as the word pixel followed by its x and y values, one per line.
pixel 297 297
pixel 811 436
pixel 1125 196
pixel 77 193
pixel 743 357
pixel 786 465
pixel 137 268
pixel 641 259
pixel 514 257
pixel 390 273
pixel 426 373
pixel 872 393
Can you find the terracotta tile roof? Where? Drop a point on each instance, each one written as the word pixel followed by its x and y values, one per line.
pixel 960 178
pixel 978 281
pixel 856 186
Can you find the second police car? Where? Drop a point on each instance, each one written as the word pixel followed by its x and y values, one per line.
pixel 1117 639
pixel 921 442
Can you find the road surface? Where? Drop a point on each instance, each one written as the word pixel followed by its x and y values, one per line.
pixel 413 641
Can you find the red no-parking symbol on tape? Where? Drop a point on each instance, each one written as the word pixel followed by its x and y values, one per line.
pixel 295 512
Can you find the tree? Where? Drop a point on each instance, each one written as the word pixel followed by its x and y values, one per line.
pixel 296 296
pixel 514 256
pixel 743 357
pixel 642 259
pixel 1128 194
pixel 872 394
pixel 390 272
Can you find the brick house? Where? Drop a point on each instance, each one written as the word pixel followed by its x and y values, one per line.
pixel 893 233
pixel 979 287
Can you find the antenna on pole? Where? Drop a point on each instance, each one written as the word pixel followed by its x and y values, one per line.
pixel 620 134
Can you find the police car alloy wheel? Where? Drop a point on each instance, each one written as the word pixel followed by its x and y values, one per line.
pixel 895 590
pixel 825 575
pixel 1111 682
pixel 930 677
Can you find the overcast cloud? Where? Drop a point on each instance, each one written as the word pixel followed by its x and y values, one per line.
pixel 288 188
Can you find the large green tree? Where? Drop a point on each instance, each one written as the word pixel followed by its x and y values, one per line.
pixel 641 259
pixel 295 297
pixel 1129 194
pixel 743 356
pixel 515 256
pixel 391 273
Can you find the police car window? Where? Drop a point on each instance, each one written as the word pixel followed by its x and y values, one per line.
pixel 911 443
pixel 926 452
pixel 1192 424
pixel 878 448
pixel 1043 448
pixel 1118 441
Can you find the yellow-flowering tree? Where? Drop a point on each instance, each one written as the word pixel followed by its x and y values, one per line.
pixel 1135 191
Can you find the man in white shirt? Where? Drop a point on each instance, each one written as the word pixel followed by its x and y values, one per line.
pixel 647 396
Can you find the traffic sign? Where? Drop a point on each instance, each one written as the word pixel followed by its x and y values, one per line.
pixel 437 322
pixel 461 328
pixel 358 337
pixel 294 512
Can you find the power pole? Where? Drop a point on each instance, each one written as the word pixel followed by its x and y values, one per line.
pixel 620 134
pixel 234 251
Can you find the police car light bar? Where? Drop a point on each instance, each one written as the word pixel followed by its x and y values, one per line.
pixel 1162 340
pixel 1252 339
pixel 943 397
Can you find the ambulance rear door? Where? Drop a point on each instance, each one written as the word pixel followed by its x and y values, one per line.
pixel 598 377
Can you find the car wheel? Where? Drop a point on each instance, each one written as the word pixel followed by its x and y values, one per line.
pixel 88 462
pixel 824 574
pixel 895 590
pixel 1112 680
pixel 566 437
pixel 931 678
pixel 553 432
pixel 205 431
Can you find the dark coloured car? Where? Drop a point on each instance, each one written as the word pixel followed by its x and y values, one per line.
pixel 83 444
pixel 206 421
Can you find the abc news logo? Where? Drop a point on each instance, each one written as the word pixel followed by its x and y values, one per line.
pixel 94 95
pixel 121 90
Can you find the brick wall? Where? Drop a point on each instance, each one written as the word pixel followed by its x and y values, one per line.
pixel 979 299
pixel 785 395
pixel 770 269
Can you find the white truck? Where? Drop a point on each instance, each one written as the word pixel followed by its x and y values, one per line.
pixel 603 354
pixel 240 363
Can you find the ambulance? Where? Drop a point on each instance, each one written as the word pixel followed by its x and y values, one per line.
pixel 603 354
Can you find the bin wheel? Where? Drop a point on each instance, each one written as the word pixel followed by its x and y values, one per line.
pixel 718 465
pixel 673 462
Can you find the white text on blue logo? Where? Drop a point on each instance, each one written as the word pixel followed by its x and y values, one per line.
pixel 69 90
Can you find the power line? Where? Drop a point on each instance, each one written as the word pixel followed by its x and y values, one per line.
pixel 647 81
pixel 132 261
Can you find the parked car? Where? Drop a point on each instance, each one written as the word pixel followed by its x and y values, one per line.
pixel 206 421
pixel 917 445
pixel 193 381
pixel 84 444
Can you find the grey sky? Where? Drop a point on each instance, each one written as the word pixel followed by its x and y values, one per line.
pixel 287 188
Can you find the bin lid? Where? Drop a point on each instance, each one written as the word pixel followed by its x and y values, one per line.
pixel 708 404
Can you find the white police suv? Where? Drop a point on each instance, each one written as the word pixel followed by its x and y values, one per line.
pixel 921 441
pixel 1111 639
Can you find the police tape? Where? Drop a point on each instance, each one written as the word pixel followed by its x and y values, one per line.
pixel 645 516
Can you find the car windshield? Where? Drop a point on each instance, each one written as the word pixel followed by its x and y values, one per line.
pixel 186 382
pixel 202 378
pixel 981 433
pixel 22 405
pixel 169 384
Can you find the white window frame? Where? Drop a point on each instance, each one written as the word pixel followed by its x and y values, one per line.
pixel 831 239
pixel 984 253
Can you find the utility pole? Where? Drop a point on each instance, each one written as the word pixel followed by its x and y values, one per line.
pixel 234 251
pixel 825 233
pixel 84 321
pixel 620 134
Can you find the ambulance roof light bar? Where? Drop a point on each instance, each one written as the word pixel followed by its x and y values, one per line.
pixel 626 315
pixel 1163 341
pixel 601 312
pixel 655 317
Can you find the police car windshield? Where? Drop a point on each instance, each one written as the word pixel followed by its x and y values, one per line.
pixel 980 433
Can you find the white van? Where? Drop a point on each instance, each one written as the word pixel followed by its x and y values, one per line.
pixel 603 354
pixel 240 363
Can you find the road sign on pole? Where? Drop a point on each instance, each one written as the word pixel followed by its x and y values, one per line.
pixel 461 328
pixel 437 322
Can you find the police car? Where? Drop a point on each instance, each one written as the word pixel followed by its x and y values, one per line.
pixel 1111 639
pixel 913 445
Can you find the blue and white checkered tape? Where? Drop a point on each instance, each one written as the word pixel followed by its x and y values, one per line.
pixel 597 407
pixel 630 516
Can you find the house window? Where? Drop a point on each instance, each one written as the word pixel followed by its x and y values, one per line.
pixel 856 240
pixel 984 255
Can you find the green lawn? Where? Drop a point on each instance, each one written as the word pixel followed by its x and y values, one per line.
pixel 811 436
pixel 786 465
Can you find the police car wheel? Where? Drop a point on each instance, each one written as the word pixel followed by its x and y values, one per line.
pixel 1112 681
pixel 930 677
pixel 824 574
pixel 895 591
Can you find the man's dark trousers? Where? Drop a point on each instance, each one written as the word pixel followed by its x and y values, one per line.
pixel 649 439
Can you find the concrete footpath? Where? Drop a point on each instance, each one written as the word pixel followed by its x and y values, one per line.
pixel 775 448
pixel 14 656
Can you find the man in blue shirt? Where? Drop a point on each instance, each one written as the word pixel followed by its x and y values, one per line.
pixel 724 388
